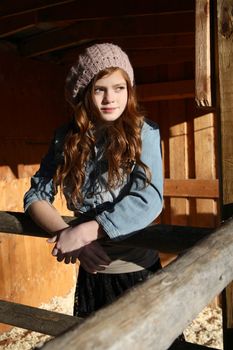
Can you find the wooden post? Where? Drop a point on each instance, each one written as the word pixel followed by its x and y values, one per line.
pixel 202 53
pixel 224 73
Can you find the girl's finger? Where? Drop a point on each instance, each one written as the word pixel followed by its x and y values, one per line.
pixel 52 239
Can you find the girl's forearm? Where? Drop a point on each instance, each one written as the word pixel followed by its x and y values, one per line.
pixel 46 216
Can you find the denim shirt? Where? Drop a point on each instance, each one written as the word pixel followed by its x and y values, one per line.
pixel 120 212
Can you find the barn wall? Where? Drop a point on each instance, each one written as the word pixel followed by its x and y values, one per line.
pixel 188 143
pixel 32 104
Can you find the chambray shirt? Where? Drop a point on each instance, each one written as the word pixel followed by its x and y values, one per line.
pixel 121 211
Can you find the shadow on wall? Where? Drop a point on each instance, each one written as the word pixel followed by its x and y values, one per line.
pixel 32 106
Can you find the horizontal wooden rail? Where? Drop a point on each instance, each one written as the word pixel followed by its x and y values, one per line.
pixel 35 319
pixel 159 309
pixel 194 188
pixel 165 238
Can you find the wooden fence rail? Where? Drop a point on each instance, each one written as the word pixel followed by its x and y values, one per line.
pixel 154 313
pixel 165 238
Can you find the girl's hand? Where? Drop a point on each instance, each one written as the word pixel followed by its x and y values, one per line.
pixel 93 258
pixel 73 238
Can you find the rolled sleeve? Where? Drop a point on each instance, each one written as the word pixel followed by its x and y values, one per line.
pixel 42 182
pixel 41 189
pixel 142 204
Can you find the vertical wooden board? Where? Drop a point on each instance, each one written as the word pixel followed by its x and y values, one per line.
pixel 205 166
pixel 202 53
pixel 225 74
pixel 164 130
pixel 178 147
pixel 152 112
pixel 190 108
pixel 178 157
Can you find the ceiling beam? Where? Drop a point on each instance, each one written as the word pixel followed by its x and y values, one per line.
pixel 122 8
pixel 15 24
pixel 11 7
pixel 115 27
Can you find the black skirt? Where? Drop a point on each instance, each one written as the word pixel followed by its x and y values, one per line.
pixel 94 291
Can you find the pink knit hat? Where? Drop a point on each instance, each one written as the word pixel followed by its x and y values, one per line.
pixel 95 58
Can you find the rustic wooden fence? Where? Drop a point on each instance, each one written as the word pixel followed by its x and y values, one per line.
pixel 151 315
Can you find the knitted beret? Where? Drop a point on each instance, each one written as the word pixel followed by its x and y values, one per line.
pixel 94 59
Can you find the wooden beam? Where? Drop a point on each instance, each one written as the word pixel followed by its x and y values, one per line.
pixel 72 12
pixel 166 91
pixel 152 310
pixel 203 54
pixel 35 319
pixel 10 26
pixel 191 188
pixel 224 67
pixel 11 7
pixel 115 27
pixel 76 12
pixel 224 72
pixel 165 238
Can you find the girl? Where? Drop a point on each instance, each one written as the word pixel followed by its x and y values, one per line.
pixel 107 162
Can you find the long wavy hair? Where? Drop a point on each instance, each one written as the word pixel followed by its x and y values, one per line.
pixel 122 149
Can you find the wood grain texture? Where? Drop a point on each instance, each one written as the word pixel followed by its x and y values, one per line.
pixel 225 74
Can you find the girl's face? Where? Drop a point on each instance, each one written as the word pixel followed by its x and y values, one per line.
pixel 110 96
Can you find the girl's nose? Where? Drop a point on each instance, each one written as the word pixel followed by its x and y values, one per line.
pixel 108 97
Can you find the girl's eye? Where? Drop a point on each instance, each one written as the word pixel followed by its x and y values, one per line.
pixel 120 88
pixel 98 90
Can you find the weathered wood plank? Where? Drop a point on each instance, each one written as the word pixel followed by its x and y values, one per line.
pixel 198 275
pixel 206 158
pixel 225 74
pixel 224 60
pixel 203 54
pixel 35 319
pixel 178 162
pixel 193 188
pixel 162 237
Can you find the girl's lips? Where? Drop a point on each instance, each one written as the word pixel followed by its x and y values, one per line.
pixel 108 110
